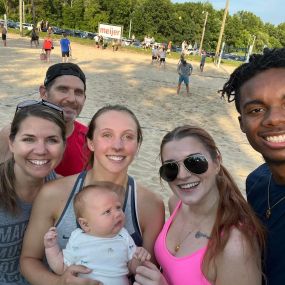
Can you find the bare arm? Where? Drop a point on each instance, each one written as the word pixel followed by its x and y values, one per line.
pixel 5 153
pixel 151 218
pixel 42 218
pixel 239 263
pixel 53 252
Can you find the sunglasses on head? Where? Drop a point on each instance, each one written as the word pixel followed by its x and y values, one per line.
pixel 195 163
pixel 28 103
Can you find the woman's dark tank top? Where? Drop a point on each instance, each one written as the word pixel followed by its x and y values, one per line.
pixel 67 221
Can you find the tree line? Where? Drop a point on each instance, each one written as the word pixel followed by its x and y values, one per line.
pixel 160 19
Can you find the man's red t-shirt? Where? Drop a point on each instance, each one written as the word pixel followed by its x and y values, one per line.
pixel 76 152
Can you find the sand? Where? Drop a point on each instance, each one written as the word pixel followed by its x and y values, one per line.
pixel 150 92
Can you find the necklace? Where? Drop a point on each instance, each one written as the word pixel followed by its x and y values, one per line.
pixel 269 208
pixel 177 247
pixel 197 235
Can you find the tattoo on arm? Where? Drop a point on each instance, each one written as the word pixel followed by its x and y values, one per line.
pixel 201 235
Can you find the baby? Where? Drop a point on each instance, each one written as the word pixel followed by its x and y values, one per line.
pixel 101 243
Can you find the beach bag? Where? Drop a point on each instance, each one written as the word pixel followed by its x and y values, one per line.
pixel 43 56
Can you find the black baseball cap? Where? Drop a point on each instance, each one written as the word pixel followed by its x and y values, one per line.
pixel 65 68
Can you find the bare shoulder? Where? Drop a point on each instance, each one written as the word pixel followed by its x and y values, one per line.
pixel 56 191
pixel 60 183
pixel 150 204
pixel 238 246
pixel 148 196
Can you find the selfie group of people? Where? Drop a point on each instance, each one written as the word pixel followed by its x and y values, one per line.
pixel 72 214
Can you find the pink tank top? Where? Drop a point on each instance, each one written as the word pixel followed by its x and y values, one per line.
pixel 184 270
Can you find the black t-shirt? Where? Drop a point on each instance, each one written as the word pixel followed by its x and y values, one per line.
pixel 257 195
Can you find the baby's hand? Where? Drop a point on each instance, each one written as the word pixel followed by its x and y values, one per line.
pixel 142 254
pixel 50 238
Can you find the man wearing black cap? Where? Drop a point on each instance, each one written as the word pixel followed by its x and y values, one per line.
pixel 64 85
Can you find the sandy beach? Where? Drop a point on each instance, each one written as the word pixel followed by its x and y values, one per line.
pixel 129 78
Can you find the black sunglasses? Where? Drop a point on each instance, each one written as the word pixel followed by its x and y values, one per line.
pixel 195 163
pixel 28 103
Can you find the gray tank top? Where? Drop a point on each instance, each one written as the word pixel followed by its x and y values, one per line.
pixel 12 229
pixel 67 221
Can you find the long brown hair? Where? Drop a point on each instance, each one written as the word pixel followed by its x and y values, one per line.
pixel 8 196
pixel 233 209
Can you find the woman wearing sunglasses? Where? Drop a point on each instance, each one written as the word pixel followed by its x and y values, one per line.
pixel 212 235
pixel 36 141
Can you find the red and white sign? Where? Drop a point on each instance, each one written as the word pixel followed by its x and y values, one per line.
pixel 110 31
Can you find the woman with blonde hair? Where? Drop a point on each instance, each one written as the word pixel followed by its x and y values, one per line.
pixel 114 138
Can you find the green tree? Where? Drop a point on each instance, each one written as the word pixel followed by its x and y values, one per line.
pixel 235 34
pixel 91 13
pixel 262 40
pixel 67 17
pixel 281 33
pixel 78 14
pixel 2 8
pixel 161 19
pixel 118 10
pixel 10 7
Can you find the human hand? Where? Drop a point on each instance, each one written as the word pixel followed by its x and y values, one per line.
pixel 70 276
pixel 142 254
pixel 50 238
pixel 149 274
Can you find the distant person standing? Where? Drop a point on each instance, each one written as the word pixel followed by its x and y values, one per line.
pixel 96 39
pixel 65 48
pixel 184 47
pixel 169 47
pixel 50 30
pixel 184 70
pixel 162 57
pixel 48 46
pixel 42 24
pixel 203 60
pixel 34 37
pixel 154 54
pixel 113 44
pixel 47 25
pixel 101 41
pixel 4 35
pixel 39 26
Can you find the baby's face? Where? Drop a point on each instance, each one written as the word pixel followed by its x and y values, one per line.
pixel 104 214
